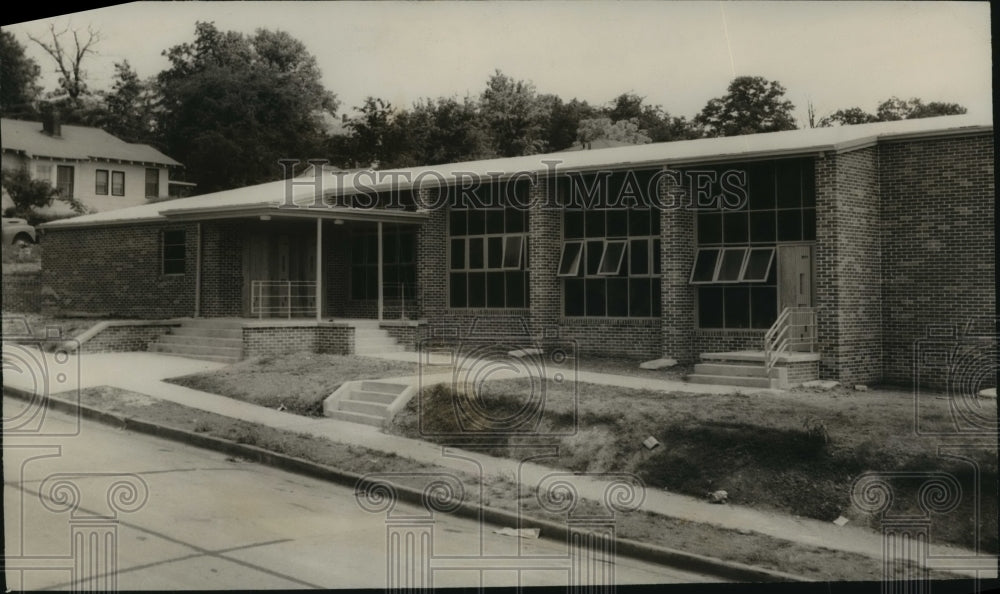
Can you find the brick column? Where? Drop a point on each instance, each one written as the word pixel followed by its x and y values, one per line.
pixel 676 259
pixel 432 262
pixel 544 249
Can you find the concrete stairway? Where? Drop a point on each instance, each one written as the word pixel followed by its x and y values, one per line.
pixel 741 369
pixel 209 339
pixel 369 338
pixel 368 401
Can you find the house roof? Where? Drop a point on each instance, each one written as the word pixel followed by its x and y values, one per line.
pixel 81 143
pixel 270 196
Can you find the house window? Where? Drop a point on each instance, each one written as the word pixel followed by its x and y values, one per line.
pixel 734 267
pixel 488 251
pixel 174 251
pixel 610 261
pixel 43 171
pixel 64 180
pixel 399 276
pixel 117 183
pixel 101 182
pixel 152 182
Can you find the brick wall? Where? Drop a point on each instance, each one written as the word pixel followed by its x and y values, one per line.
pixel 323 338
pixel 715 341
pixel 222 280
pixel 21 292
pixel 635 338
pixel 938 241
pixel 406 334
pixel 116 271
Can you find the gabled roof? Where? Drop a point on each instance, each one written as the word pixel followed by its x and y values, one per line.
pixel 771 145
pixel 80 143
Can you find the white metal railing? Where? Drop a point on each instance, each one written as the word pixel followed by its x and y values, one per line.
pixel 282 298
pixel 794 330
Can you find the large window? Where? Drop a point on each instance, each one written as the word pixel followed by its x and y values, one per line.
pixel 610 261
pixel 488 251
pixel 398 262
pixel 64 180
pixel 735 268
pixel 117 183
pixel 174 251
pixel 152 182
pixel 101 182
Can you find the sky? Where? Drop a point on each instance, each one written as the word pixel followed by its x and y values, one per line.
pixel 675 54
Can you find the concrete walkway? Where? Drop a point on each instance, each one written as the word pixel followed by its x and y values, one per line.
pixel 144 372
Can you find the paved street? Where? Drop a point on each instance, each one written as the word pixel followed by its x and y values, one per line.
pixel 191 518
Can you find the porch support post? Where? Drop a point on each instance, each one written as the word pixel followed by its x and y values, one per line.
pixel 197 271
pixel 319 268
pixel 380 271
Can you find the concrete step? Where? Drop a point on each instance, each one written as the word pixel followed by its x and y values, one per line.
pixel 208 332
pixel 374 409
pixel 731 370
pixel 373 397
pixel 383 387
pixel 211 341
pixel 189 349
pixel 353 417
pixel 218 359
pixel 396 348
pixel 730 380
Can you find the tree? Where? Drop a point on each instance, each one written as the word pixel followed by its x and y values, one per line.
pixel 376 140
pixel 29 194
pixel 626 131
pixel 19 75
pixel 752 104
pixel 513 115
pixel 847 117
pixel 233 105
pixel 69 60
pixel 892 109
pixel 445 131
pixel 564 121
pixel 128 107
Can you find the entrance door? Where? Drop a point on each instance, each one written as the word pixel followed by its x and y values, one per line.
pixel 795 289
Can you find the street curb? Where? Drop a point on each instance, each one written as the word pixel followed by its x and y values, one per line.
pixel 729 570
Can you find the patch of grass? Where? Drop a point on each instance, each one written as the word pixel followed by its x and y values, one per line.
pixel 295 382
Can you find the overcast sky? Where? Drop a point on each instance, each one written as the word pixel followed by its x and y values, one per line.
pixel 676 54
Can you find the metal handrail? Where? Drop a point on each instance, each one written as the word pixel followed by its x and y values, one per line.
pixel 778 338
pixel 299 298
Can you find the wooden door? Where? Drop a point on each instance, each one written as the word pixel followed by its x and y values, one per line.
pixel 795 288
pixel 256 264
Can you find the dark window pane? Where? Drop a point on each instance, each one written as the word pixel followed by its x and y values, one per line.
pixel 710 307
pixel 494 252
pixel 789 184
pixel 390 248
pixel 512 251
pixel 763 306
pixel 390 277
pixel 174 237
pixel 371 282
pixel 657 296
pixel 595 289
pixel 656 256
pixel 595 249
pixel 737 307
pixel 477 222
pixel 477 289
pixel 639 222
pixel 475 253
pixel 639 305
pixel 789 225
pixel 761 181
pixel 173 267
pixel 595 223
pixel 458 289
pixel 457 254
pixel 516 288
pixel 618 297
pixel 573 297
pixel 457 222
pixel 514 221
pixel 617 223
pixel 358 282
pixel 808 224
pixel 371 249
pixel 173 252
pixel 570 264
pixel 407 247
pixel 709 227
pixel 762 228
pixel 704 266
pixel 613 256
pixel 654 222
pixel 758 265
pixel 734 227
pixel 573 224
pixel 732 263
pixel 494 221
pixel 639 256
pixel 358 249
pixel 494 289
pixel 808 183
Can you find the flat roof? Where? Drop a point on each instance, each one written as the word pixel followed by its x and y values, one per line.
pixel 269 197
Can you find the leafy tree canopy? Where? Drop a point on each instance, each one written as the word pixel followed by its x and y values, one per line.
pixel 19 75
pixel 752 104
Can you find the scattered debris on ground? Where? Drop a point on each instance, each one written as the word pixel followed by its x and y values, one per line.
pixel 719 496
pixel 650 442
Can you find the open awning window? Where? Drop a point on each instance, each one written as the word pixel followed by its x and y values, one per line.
pixel 732 265
pixel 569 263
pixel 614 254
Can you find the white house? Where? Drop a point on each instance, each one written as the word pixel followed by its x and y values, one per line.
pixel 89 164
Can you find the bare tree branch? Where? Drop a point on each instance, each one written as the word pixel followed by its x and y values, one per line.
pixel 70 65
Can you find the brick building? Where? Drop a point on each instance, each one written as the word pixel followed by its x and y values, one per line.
pixel 870 246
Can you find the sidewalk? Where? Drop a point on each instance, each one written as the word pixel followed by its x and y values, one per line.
pixel 144 372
